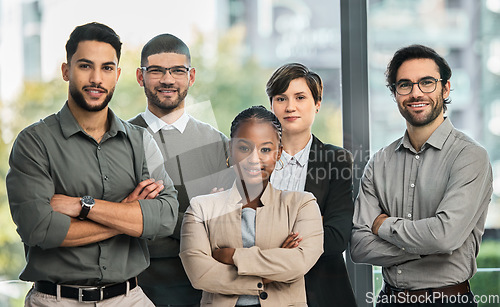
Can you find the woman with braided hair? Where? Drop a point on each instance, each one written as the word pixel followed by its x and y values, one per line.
pixel 295 93
pixel 251 245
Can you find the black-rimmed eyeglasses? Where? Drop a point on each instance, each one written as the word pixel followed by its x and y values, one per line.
pixel 426 85
pixel 158 72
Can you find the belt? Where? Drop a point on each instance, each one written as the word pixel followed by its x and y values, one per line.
pixel 458 289
pixel 84 293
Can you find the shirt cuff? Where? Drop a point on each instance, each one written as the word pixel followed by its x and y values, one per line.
pixel 150 218
pixel 57 231
pixel 385 231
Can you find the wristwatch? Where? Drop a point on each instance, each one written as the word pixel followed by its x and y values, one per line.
pixel 87 203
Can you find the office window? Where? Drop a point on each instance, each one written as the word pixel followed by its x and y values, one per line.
pixel 461 32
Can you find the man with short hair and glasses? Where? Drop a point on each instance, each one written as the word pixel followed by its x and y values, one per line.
pixel 423 199
pixel 87 189
pixel 195 157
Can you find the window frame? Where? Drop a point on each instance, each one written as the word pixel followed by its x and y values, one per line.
pixel 355 116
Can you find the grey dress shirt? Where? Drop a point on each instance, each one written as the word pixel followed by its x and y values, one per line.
pixel 56 156
pixel 437 200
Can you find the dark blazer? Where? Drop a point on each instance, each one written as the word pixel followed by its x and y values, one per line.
pixel 329 178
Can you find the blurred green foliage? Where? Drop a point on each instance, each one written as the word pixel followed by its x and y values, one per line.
pixel 487 283
pixel 230 79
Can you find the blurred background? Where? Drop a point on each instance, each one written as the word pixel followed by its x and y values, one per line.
pixel 235 46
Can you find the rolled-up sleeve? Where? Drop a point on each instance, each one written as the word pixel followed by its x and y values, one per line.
pixel 159 214
pixel 30 189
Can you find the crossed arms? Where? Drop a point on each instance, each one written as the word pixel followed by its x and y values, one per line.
pixel 381 238
pixel 106 219
pixel 47 219
pixel 239 270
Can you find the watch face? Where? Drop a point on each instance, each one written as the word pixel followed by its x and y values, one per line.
pixel 87 203
pixel 88 200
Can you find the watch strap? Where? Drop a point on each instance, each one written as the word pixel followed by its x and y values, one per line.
pixel 84 212
pixel 87 203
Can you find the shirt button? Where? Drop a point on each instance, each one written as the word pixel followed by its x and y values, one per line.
pixel 399 272
pixel 403 248
pixel 106 177
pixel 104 267
pixel 412 185
pixel 98 147
pixel 409 214
pixel 263 295
pixel 259 285
pixel 417 157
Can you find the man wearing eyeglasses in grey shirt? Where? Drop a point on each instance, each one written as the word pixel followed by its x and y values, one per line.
pixel 422 205
pixel 194 156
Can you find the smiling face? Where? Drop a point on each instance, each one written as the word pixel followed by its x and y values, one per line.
pixel 255 149
pixel 295 108
pixel 92 75
pixel 421 109
pixel 166 94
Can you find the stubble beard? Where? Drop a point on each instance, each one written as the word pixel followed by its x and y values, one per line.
pixel 82 103
pixel 437 108
pixel 166 106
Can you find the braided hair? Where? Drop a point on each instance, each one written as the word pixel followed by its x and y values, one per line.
pixel 256 112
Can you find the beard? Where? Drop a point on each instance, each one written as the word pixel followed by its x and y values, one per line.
pixel 420 121
pixel 155 100
pixel 82 103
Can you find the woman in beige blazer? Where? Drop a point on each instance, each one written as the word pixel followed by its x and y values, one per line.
pixel 251 245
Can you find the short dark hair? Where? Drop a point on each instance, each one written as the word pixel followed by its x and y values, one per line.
pixel 164 43
pixel 281 78
pixel 92 31
pixel 417 52
pixel 258 113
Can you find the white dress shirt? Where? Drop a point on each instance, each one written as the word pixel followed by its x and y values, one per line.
pixel 292 176
pixel 156 123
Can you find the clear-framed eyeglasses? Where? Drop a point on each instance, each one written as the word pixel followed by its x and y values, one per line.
pixel 426 85
pixel 157 72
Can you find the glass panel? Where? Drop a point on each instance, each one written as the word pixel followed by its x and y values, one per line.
pixel 487 279
pixel 465 33
pixel 308 32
